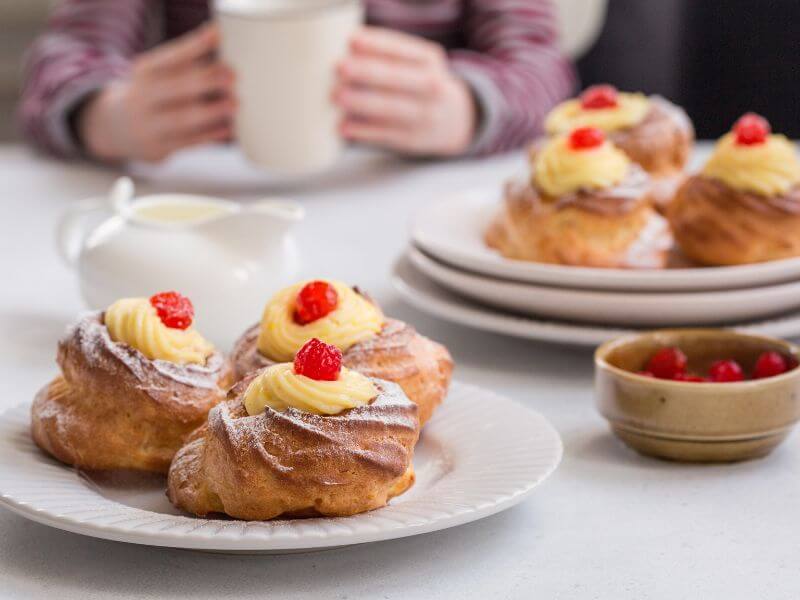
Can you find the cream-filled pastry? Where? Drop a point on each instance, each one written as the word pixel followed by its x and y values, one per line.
pixel 585 204
pixel 135 380
pixel 344 317
pixel 583 161
pixel 329 390
pixel 329 310
pixel 308 438
pixel 767 168
pixel 136 322
pixel 600 106
pixel 744 205
pixel 652 131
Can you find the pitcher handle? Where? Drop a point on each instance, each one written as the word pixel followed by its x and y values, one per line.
pixel 71 228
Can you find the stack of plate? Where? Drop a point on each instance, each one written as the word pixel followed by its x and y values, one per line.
pixel 449 271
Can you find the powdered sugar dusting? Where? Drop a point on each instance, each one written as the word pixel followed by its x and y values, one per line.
pixel 394 334
pixel 95 341
pixel 390 417
pixel 654 239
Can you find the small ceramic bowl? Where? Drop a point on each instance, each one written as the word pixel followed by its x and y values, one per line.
pixel 700 422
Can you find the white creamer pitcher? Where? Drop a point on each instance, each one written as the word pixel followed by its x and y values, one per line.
pixel 229 258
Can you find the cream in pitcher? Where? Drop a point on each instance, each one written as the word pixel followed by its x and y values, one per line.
pixel 284 53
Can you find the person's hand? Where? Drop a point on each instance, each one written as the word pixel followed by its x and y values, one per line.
pixel 396 91
pixel 177 95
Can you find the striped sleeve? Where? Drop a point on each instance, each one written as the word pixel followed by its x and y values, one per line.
pixel 86 44
pixel 514 67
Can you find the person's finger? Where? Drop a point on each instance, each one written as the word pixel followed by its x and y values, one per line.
pixel 196 116
pixel 395 45
pixel 186 49
pixel 378 134
pixel 378 105
pixel 383 74
pixel 196 82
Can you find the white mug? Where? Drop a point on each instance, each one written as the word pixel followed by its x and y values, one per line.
pixel 284 54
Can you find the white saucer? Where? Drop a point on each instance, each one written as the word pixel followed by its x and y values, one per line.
pixel 427 296
pixel 460 478
pixel 452 229
pixel 625 309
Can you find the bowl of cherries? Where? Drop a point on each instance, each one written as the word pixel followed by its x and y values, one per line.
pixel 701 395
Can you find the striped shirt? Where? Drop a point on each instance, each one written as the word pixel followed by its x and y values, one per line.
pixel 506 50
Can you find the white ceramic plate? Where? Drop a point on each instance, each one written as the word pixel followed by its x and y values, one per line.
pixel 426 295
pixel 470 463
pixel 452 231
pixel 626 309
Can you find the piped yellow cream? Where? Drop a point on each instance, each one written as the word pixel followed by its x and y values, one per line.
pixel 354 320
pixel 559 169
pixel 768 169
pixel 630 110
pixel 134 321
pixel 279 387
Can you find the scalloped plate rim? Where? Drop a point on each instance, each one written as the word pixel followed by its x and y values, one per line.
pixel 613 308
pixel 424 294
pixel 453 241
pixel 322 539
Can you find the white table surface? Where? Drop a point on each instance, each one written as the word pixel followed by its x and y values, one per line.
pixel 608 524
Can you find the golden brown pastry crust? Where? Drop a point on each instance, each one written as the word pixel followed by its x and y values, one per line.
pixel 715 224
pixel 662 143
pixel 398 353
pixel 612 228
pixel 113 408
pixel 297 464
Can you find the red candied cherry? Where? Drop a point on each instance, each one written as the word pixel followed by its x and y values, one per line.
pixel 751 129
pixel 667 363
pixel 770 364
pixel 318 360
pixel 314 301
pixel 725 371
pixel 174 310
pixel 689 377
pixel 599 96
pixel 585 138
